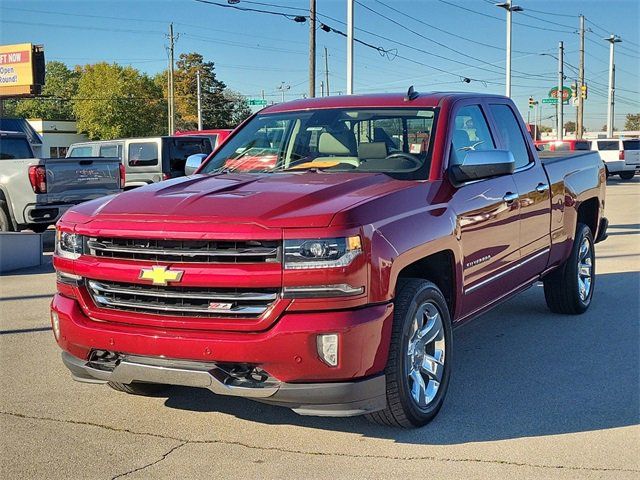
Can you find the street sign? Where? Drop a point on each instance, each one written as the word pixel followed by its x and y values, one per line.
pixel 553 101
pixel 258 102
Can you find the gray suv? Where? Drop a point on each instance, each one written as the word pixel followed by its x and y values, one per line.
pixel 146 160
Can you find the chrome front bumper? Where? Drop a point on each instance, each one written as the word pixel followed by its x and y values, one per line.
pixel 339 399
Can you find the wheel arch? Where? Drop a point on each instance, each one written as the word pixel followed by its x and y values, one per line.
pixel 4 197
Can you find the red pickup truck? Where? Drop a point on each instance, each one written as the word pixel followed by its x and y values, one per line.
pixel 329 281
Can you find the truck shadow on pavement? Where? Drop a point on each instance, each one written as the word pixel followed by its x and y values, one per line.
pixel 519 371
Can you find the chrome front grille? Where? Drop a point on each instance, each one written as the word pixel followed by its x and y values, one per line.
pixel 185 251
pixel 182 301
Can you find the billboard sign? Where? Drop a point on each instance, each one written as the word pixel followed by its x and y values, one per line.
pixel 21 69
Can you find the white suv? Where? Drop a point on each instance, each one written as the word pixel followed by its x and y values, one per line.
pixel 620 156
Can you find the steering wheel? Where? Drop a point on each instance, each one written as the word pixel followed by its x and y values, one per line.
pixel 404 156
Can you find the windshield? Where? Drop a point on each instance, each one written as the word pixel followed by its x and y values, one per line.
pixel 358 140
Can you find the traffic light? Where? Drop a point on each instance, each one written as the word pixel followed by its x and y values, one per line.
pixel 583 92
pixel 531 102
pixel 574 90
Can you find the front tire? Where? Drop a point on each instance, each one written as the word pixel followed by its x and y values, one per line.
pixel 419 364
pixel 5 221
pixel 569 288
pixel 138 388
pixel 627 175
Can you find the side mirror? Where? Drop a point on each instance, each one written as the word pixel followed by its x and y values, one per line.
pixel 478 164
pixel 193 163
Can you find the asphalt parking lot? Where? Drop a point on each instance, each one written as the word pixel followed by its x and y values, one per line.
pixel 533 395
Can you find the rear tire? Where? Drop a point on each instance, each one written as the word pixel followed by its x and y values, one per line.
pixel 569 288
pixel 5 220
pixel 138 388
pixel 419 364
pixel 627 175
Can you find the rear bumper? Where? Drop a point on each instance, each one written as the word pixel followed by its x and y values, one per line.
pixel 43 213
pixel 327 399
pixel 287 352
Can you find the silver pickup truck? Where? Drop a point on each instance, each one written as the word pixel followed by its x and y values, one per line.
pixel 35 192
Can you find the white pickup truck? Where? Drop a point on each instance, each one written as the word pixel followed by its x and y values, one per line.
pixel 35 192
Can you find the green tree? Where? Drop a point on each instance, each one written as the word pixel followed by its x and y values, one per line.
pixel 570 127
pixel 238 107
pixel 113 101
pixel 61 84
pixel 632 122
pixel 216 110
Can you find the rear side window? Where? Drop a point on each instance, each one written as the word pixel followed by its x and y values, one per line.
pixel 143 154
pixel 81 152
pixel 470 132
pixel 180 149
pixel 631 144
pixel 110 151
pixel 582 146
pixel 608 145
pixel 511 134
pixel 11 148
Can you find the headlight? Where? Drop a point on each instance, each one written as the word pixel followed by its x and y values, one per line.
pixel 321 252
pixel 68 245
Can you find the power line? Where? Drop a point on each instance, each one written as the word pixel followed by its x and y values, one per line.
pixel 502 20
pixel 289 16
pixel 447 32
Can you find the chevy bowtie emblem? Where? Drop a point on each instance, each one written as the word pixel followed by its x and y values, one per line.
pixel 160 275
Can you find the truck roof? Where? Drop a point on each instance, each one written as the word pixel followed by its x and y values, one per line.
pixel 427 99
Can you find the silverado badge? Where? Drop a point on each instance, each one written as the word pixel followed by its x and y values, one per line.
pixel 160 275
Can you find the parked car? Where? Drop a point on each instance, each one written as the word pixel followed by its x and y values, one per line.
pixel 35 192
pixel 329 283
pixel 146 160
pixel 620 156
pixel 216 136
pixel 562 145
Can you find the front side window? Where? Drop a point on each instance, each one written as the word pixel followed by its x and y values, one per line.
pixel 358 140
pixel 143 154
pixel 511 135
pixel 470 132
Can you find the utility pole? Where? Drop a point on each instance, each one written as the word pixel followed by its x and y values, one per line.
pixel 199 100
pixel 580 120
pixel 613 39
pixel 170 93
pixel 326 70
pixel 535 121
pixel 560 94
pixel 349 47
pixel 321 88
pixel 312 48
pixel 509 7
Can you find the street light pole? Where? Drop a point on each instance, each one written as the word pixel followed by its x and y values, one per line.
pixel 199 100
pixel 349 47
pixel 580 121
pixel 509 8
pixel 560 94
pixel 613 39
pixel 312 48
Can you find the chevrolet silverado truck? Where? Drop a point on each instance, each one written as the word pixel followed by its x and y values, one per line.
pixel 329 281
pixel 35 192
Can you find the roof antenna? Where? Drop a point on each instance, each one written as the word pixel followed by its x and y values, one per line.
pixel 411 94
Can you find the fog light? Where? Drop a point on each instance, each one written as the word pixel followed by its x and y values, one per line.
pixel 55 324
pixel 328 348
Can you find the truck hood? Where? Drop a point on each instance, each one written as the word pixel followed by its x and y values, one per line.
pixel 301 199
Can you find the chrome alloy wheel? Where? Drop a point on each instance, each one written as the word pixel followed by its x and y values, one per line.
pixel 585 270
pixel 425 354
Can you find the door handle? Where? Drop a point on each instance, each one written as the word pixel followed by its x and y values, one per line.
pixel 510 197
pixel 542 187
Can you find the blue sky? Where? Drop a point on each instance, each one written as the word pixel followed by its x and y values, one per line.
pixel 255 52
